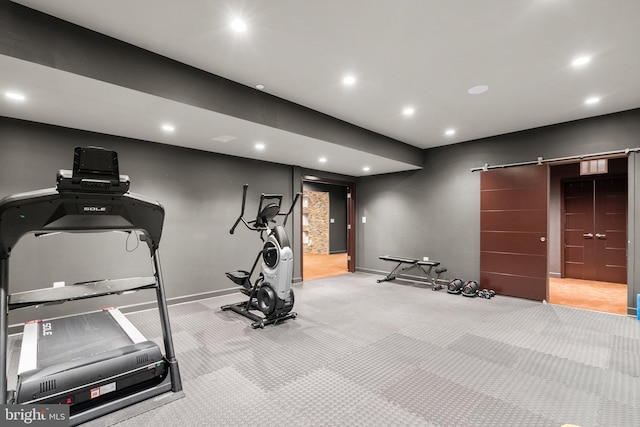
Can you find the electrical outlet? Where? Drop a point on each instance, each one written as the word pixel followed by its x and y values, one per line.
pixel 426 258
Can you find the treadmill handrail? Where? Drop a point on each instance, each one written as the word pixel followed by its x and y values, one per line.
pixel 79 291
pixel 48 211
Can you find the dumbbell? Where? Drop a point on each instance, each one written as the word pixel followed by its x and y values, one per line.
pixel 486 293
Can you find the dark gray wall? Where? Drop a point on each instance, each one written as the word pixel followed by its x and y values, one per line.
pixel 201 193
pixel 337 212
pixel 435 212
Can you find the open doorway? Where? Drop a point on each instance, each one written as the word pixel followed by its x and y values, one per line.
pixel 327 236
pixel 588 237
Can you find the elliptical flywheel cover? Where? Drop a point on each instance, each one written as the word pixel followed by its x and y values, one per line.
pixel 266 299
pixel 455 286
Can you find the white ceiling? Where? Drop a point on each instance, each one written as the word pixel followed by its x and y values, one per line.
pixel 420 53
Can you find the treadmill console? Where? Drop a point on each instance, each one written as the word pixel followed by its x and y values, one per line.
pixel 95 170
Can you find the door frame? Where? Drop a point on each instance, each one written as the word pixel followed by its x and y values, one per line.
pixel 351 219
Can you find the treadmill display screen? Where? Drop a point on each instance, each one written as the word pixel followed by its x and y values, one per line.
pixel 95 161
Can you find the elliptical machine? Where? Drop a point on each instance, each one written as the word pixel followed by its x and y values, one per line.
pixel 271 293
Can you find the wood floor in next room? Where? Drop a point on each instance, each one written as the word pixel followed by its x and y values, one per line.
pixel 316 266
pixel 598 296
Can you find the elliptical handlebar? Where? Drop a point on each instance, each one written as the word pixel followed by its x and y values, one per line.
pixel 286 216
pixel 262 197
pixel 244 200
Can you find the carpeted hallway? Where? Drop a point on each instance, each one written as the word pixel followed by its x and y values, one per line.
pixel 367 354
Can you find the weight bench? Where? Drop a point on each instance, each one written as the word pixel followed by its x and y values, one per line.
pixel 405 264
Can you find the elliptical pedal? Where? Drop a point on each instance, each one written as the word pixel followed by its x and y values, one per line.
pixel 239 277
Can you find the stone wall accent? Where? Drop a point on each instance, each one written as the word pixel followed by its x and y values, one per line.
pixel 315 222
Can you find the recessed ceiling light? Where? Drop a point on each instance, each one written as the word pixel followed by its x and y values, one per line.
pixel 260 87
pixel 580 61
pixel 168 127
pixel 259 146
pixel 225 138
pixel 238 25
pixel 322 159
pixel 366 168
pixel 408 111
pixel 450 132
pixel 476 90
pixel 349 80
pixel 15 96
pixel 592 100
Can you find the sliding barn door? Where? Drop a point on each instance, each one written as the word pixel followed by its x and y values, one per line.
pixel 513 231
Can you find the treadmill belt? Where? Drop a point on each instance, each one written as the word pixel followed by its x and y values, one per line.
pixel 86 361
pixel 77 337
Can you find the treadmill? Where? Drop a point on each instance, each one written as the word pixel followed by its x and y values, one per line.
pixel 97 362
pixel 81 360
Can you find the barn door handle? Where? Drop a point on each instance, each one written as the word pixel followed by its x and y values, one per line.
pixel 600 236
pixel 588 235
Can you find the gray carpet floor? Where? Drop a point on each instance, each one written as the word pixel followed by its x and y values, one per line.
pixel 395 354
